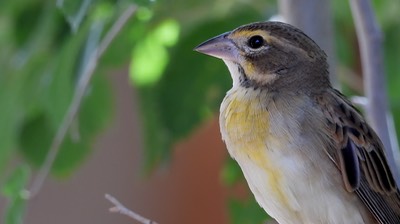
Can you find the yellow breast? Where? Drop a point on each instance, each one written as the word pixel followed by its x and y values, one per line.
pixel 245 126
pixel 246 122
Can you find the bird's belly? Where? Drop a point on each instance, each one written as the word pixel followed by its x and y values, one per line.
pixel 291 187
pixel 293 193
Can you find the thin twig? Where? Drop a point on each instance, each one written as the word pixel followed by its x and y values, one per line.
pixel 378 113
pixel 77 100
pixel 120 208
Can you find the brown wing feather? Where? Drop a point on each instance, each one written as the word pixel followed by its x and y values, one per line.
pixel 359 155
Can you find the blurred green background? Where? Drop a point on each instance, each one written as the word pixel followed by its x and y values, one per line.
pixel 45 47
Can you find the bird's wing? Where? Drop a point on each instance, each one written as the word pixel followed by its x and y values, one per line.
pixel 359 155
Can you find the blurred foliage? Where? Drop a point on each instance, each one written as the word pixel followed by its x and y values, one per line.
pixel 45 46
pixel 246 212
pixel 13 191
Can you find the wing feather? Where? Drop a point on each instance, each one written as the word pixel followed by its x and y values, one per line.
pixel 359 155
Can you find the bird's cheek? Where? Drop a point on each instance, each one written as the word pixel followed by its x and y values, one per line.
pixel 260 73
pixel 249 68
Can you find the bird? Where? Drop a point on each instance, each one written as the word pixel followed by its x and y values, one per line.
pixel 306 152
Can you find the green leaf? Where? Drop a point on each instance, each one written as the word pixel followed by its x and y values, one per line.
pixel 12 190
pixel 231 173
pixel 20 81
pixel 9 118
pixel 38 133
pixel 246 212
pixel 15 210
pixel 144 2
pixel 39 72
pixel 16 182
pixel 144 13
pixel 62 77
pixel 74 11
pixel 102 11
pixel 144 71
pixel 120 50
pixel 97 108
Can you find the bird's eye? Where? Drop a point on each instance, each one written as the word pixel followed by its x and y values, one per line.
pixel 256 42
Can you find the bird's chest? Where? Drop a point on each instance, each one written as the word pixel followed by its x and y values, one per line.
pixel 248 127
pixel 245 123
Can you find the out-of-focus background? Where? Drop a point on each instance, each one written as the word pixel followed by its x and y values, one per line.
pixel 147 128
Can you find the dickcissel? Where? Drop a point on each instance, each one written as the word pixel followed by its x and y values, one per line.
pixel 307 154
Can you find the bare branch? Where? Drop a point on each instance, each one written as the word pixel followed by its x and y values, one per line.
pixel 77 100
pixel 378 113
pixel 120 208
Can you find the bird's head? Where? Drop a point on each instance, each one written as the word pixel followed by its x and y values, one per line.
pixel 270 54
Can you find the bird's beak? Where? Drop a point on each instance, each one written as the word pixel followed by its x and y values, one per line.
pixel 220 47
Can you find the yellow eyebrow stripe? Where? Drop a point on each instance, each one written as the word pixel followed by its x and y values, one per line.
pixel 250 33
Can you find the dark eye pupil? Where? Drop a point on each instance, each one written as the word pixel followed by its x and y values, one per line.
pixel 256 42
